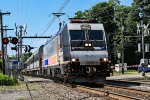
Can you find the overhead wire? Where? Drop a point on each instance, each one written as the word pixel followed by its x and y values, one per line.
pixel 53 19
pixel 26 11
pixel 21 10
pixel 17 11
pixel 51 22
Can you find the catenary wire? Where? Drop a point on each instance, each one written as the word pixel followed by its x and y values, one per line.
pixel 51 22
pixel 26 11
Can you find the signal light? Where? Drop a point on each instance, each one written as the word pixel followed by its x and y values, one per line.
pixel 14 40
pixel 5 41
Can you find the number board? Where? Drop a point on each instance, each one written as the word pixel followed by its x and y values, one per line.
pixel 85 27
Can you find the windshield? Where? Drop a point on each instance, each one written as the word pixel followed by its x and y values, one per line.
pixel 80 37
pixel 77 35
pixel 86 35
pixel 95 34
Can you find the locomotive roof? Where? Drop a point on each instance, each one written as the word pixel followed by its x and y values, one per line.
pixel 82 20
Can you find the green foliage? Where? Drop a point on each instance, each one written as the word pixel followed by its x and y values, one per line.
pixel 104 13
pixel 13 58
pixel 113 16
pixel 84 14
pixel 79 14
pixel 25 56
pixel 5 80
pixel 145 5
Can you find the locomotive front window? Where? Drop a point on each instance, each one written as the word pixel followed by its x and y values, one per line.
pixel 77 35
pixel 95 34
pixel 80 37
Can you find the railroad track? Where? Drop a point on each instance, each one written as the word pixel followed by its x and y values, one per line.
pixel 112 95
pixel 129 82
pixel 114 92
pixel 128 91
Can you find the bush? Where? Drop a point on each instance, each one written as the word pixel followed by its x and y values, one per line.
pixel 5 80
pixel 15 80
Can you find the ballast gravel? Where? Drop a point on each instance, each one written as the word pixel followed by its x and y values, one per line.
pixel 45 91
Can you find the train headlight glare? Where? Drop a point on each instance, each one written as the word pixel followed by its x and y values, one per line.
pixel 73 59
pixel 90 44
pixel 105 59
pixel 86 44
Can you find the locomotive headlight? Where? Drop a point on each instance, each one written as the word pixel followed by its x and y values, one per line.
pixel 73 59
pixel 86 44
pixel 90 44
pixel 105 59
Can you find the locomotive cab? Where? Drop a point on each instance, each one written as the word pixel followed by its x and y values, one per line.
pixel 87 51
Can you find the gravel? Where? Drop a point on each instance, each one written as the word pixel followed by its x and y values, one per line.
pixel 45 91
pixel 144 88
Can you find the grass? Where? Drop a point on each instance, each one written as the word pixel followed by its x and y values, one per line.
pixel 21 86
pixel 18 87
pixel 129 72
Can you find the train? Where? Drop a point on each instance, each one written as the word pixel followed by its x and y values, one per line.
pixel 76 53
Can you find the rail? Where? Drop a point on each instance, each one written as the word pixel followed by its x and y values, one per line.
pixel 128 91
pixel 111 95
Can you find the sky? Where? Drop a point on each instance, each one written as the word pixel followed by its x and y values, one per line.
pixel 37 15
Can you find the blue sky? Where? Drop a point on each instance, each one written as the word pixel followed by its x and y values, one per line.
pixel 35 13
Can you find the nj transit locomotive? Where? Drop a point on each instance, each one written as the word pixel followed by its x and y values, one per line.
pixel 77 53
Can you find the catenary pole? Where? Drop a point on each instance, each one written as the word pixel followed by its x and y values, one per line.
pixel 2 35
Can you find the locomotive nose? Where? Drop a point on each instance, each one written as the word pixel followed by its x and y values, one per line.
pixel 89 57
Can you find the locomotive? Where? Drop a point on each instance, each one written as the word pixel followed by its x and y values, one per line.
pixel 76 53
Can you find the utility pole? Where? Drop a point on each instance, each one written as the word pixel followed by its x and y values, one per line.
pixel 5 53
pixel 19 50
pixel 20 39
pixel 2 35
pixel 20 46
pixel 122 42
pixel 143 50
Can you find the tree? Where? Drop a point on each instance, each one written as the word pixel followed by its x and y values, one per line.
pixel 78 14
pixel 113 15
pixel 84 14
pixel 121 15
pixel 13 57
pixel 140 11
pixel 104 13
pixel 25 56
pixel 141 7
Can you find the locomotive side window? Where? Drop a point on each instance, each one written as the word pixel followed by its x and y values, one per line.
pixel 95 34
